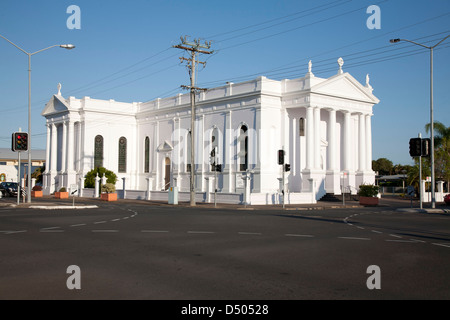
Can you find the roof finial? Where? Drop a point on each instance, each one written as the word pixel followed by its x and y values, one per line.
pixel 59 89
pixel 309 74
pixel 368 86
pixel 340 63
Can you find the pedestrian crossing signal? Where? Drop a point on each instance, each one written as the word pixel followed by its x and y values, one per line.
pixel 280 156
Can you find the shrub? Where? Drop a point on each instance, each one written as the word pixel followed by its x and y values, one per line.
pixel 37 188
pixel 368 190
pixel 108 188
pixel 63 189
pixel 89 181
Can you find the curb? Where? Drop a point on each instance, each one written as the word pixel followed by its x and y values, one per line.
pixel 438 211
pixel 63 207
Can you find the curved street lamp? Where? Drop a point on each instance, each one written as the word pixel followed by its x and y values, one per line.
pixel 433 196
pixel 29 54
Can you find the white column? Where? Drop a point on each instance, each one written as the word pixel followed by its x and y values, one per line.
pixel 317 138
pixel 70 146
pixel 368 142
pixel 228 156
pixel 362 142
pixel 309 138
pixel 64 147
pixel 47 151
pixel 293 145
pixel 347 133
pixel 54 147
pixel 332 140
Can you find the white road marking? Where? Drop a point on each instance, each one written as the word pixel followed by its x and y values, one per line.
pixel 250 233
pixel 98 222
pixel 442 245
pixel 376 231
pixel 78 225
pixel 102 230
pixel 49 228
pixel 415 240
pixel 353 238
pixel 115 220
pixel 11 232
pixel 395 236
pixel 200 232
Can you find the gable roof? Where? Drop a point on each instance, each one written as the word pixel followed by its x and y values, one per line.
pixel 346 86
pixel 57 104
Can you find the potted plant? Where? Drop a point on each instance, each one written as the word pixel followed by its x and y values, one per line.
pixel 62 193
pixel 368 195
pixel 108 192
pixel 37 192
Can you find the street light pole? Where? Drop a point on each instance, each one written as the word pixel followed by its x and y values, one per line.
pixel 65 46
pixel 433 196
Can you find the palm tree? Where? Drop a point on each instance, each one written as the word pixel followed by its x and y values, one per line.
pixel 442 131
pixel 442 150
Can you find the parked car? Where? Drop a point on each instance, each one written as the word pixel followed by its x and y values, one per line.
pixel 8 189
pixel 447 199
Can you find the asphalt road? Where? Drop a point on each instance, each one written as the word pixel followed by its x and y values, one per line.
pixel 140 251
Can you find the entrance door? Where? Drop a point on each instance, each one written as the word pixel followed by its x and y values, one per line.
pixel 167 174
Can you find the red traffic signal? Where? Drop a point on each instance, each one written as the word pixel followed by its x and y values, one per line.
pixel 19 141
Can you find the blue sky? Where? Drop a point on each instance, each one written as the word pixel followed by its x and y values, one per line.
pixel 124 52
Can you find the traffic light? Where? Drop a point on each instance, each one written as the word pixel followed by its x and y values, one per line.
pixel 19 141
pixel 426 147
pixel 415 147
pixel 287 167
pixel 280 156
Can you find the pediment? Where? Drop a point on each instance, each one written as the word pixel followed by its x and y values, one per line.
pixel 345 86
pixel 57 104
pixel 165 147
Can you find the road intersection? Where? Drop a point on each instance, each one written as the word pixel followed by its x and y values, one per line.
pixel 138 250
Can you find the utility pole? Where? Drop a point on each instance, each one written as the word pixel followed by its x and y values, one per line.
pixel 193 48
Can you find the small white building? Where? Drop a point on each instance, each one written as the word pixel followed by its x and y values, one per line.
pixel 9 164
pixel 324 126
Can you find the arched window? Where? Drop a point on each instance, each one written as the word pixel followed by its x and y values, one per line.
pixel 122 155
pixel 301 127
pixel 98 151
pixel 188 152
pixel 243 148
pixel 147 155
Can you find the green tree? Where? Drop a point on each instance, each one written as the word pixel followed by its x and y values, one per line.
pixel 89 181
pixel 37 174
pixel 441 133
pixel 441 151
pixel 383 166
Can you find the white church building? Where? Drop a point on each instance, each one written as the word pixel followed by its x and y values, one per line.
pixel 323 126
